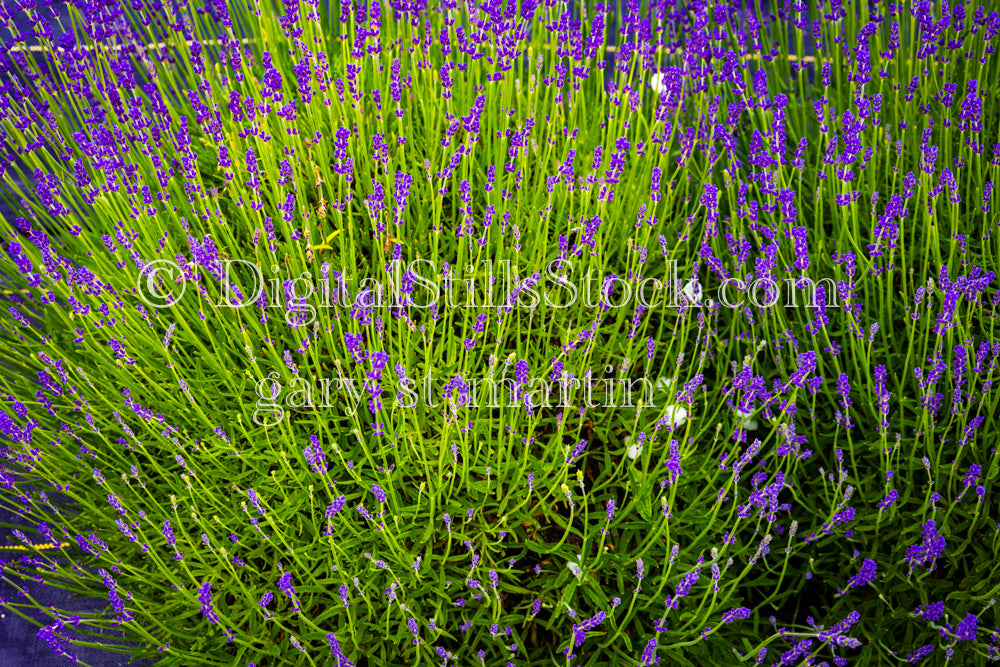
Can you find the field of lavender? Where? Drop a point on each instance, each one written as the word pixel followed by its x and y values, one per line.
pixel 511 332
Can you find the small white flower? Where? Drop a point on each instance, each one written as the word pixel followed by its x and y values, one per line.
pixel 743 419
pixel 656 81
pixel 634 449
pixel 676 415
pixel 663 384
pixel 575 569
pixel 692 290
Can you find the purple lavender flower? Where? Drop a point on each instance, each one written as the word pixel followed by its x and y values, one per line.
pixel 334 508
pixel 286 587
pixel 50 634
pixel 115 503
pixel 931 612
pixel 920 654
pixel 254 500
pixel 266 600
pixel 205 598
pixel 168 533
pixel 967 628
pixel 734 614
pixel 340 660
pixel 577 452
pixel 314 455
pixel 929 549
pixel 117 604
pixel 888 501
pixel 649 657
pixel 580 629
pixel 684 587
pixel 865 576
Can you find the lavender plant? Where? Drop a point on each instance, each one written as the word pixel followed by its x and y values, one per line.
pixel 729 269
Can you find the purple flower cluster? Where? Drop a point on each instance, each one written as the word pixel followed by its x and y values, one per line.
pixel 285 586
pixel 205 598
pixel 314 456
pixel 930 548
pixel 865 576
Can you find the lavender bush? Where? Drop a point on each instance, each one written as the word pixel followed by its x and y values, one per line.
pixel 730 269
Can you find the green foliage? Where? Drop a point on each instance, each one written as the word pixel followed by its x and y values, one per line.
pixel 738 459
